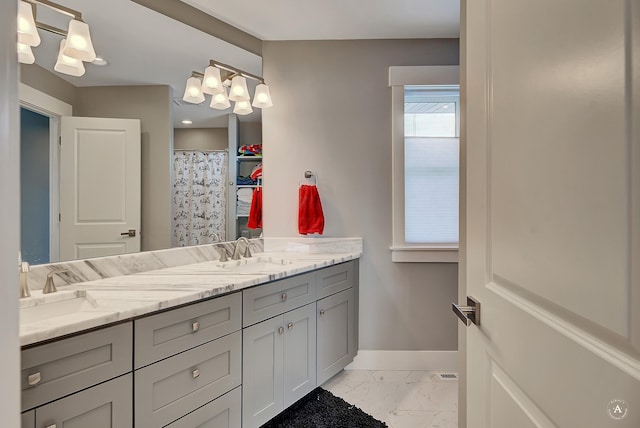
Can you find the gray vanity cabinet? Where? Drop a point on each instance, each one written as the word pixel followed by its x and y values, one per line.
pixel 224 412
pixel 278 364
pixel 336 333
pixel 108 405
pixel 28 419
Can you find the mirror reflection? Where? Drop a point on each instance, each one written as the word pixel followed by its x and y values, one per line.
pixel 187 171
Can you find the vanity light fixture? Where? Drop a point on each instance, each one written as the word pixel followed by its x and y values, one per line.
pixel 75 47
pixel 216 78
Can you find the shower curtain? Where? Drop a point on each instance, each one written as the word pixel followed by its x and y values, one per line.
pixel 199 197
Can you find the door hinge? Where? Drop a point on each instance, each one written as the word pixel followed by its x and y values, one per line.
pixel 59 217
pixel 60 140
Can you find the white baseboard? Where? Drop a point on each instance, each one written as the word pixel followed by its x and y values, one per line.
pixel 405 360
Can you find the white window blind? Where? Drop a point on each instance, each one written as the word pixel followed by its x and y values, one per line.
pixel 431 190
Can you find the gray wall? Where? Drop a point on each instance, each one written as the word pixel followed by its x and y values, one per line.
pixel 38 78
pixel 249 133
pixel 9 217
pixel 332 115
pixel 152 105
pixel 34 187
pixel 200 138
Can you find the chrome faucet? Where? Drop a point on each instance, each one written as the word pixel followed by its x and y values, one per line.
pixel 236 250
pixel 49 286
pixel 24 269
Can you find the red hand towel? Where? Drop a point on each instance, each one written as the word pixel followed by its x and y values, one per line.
pixel 310 216
pixel 255 212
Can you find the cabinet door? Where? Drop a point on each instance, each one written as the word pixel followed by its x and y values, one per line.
pixel 262 363
pixel 336 340
pixel 223 412
pixel 108 405
pixel 299 353
pixel 29 419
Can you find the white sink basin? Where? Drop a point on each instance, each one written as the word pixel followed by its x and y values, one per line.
pixel 47 308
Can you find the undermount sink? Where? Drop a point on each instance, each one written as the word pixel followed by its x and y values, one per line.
pixel 49 307
pixel 256 265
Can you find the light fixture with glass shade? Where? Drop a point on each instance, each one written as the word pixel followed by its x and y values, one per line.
pixel 220 101
pixel 68 65
pixel 242 108
pixel 77 44
pixel 218 76
pixel 25 54
pixel 262 96
pixel 193 91
pixel 212 82
pixel 27 31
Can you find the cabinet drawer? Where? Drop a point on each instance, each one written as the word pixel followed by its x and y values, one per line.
pixel 107 405
pixel 223 412
pixel 266 301
pixel 171 388
pixel 166 334
pixel 334 279
pixel 69 365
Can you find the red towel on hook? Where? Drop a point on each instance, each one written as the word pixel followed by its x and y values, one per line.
pixel 255 212
pixel 310 216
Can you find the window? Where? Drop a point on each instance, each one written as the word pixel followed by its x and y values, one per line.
pixel 426 157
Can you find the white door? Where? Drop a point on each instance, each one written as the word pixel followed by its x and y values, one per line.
pixel 99 187
pixel 551 91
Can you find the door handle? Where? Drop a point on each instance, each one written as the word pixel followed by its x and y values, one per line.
pixel 131 233
pixel 468 314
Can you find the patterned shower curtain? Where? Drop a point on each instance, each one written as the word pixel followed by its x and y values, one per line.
pixel 199 197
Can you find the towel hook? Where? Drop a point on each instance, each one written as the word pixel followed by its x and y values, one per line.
pixel 309 174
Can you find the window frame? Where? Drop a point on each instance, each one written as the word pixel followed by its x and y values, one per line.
pixel 399 77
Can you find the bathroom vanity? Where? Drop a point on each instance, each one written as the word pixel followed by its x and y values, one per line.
pixel 200 345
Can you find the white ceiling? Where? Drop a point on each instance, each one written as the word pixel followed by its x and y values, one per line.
pixel 145 47
pixel 338 19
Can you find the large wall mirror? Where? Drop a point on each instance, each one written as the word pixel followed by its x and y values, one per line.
pixel 148 58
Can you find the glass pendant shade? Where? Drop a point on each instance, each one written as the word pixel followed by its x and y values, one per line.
pixel 193 91
pixel 262 97
pixel 239 91
pixel 27 31
pixel 68 65
pixel 242 107
pixel 79 44
pixel 220 101
pixel 212 84
pixel 25 54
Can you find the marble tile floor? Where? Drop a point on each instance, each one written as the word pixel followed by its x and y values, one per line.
pixel 402 399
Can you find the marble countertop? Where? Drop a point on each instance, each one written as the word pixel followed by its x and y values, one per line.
pixel 84 305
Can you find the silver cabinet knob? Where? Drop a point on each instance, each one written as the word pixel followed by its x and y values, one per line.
pixel 281 330
pixel 321 312
pixel 195 373
pixel 195 326
pixel 284 297
pixel 34 379
pixel 290 325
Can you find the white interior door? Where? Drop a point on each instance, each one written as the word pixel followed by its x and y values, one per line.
pixel 551 92
pixel 100 187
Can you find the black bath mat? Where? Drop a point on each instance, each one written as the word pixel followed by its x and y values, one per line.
pixel 322 409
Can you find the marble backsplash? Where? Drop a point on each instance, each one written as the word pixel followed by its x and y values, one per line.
pixel 126 264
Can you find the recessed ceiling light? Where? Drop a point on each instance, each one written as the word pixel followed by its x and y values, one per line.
pixel 186 122
pixel 99 61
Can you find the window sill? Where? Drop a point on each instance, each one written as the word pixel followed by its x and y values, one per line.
pixel 424 254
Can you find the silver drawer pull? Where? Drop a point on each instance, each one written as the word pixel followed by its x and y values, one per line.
pixel 281 330
pixel 195 326
pixel 321 312
pixel 290 325
pixel 195 373
pixel 34 379
pixel 284 297
pixel 51 426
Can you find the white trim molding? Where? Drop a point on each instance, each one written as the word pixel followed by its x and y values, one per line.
pixel 405 360
pixel 43 103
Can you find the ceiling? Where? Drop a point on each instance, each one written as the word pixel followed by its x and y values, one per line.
pixel 145 47
pixel 338 19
